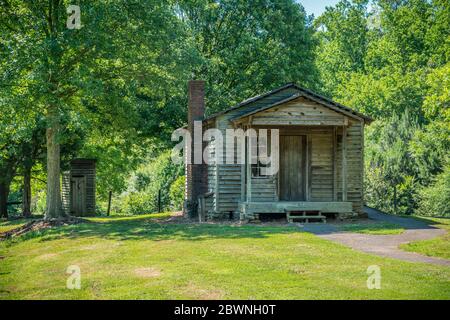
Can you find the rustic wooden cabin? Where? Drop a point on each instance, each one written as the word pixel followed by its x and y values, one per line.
pixel 321 154
pixel 78 188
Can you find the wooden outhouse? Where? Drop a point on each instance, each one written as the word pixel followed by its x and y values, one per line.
pixel 78 188
pixel 320 157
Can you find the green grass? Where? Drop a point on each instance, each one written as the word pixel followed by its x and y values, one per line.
pixel 140 258
pixel 438 247
pixel 376 228
pixel 136 218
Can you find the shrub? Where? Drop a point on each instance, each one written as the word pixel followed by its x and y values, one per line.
pixel 143 187
pixel 435 199
pixel 177 193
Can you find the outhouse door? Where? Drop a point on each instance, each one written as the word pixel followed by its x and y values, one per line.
pixel 292 168
pixel 78 195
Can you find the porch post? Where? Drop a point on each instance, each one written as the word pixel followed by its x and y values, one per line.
pixel 249 166
pixel 308 167
pixel 243 169
pixel 344 163
pixel 334 163
pixel 240 160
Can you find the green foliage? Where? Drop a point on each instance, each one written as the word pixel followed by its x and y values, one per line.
pixel 40 202
pixel 135 202
pixel 437 101
pixel 429 149
pixel 435 198
pixel 117 86
pixel 390 167
pixel 342 32
pixel 392 63
pixel 244 48
pixel 89 81
pixel 177 193
pixel 157 175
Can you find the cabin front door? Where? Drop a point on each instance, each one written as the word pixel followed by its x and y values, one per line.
pixel 78 191
pixel 292 171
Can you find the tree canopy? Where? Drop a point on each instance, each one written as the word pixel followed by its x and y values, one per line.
pixel 115 88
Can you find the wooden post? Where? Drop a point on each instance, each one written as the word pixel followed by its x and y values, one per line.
pixel 308 167
pixel 249 166
pixel 201 208
pixel 241 156
pixel 109 203
pixel 243 180
pixel 216 185
pixel 361 167
pixel 159 201
pixel 344 163
pixel 334 164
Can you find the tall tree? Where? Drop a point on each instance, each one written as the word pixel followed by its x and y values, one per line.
pixel 31 152
pixel 388 62
pixel 16 135
pixel 244 48
pixel 342 32
pixel 70 70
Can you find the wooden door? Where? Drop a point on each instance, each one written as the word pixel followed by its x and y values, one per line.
pixel 78 196
pixel 292 168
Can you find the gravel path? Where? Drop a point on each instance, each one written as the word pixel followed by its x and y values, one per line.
pixel 384 245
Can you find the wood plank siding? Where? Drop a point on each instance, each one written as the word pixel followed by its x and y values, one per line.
pixel 321 158
pixel 299 112
pixel 82 178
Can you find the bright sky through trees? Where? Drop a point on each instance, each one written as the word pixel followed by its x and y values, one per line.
pixel 316 7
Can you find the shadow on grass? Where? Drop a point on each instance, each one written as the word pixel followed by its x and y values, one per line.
pixel 148 229
pixel 429 220
pixel 406 222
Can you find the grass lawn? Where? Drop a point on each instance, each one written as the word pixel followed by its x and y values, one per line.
pixel 438 247
pixel 141 258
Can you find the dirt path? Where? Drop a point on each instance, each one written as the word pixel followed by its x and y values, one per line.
pixel 384 245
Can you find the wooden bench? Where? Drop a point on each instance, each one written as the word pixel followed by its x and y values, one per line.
pixel 305 216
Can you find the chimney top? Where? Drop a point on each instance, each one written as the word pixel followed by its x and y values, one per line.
pixel 196 100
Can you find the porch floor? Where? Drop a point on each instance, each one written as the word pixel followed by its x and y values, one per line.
pixel 250 210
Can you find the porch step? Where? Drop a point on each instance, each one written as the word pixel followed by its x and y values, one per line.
pixel 295 214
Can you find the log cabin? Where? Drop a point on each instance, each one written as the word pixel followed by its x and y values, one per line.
pixel 320 159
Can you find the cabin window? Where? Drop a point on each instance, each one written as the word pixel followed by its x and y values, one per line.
pixel 263 149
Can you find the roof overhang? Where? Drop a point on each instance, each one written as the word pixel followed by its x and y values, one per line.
pixel 294 97
pixel 302 92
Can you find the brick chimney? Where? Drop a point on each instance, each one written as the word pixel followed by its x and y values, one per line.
pixel 196 173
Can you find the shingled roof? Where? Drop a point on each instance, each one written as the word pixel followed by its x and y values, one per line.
pixel 292 91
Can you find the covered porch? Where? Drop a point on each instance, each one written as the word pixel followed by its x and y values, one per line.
pixel 315 151
pixel 312 177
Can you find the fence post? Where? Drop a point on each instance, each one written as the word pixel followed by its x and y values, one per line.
pixel 159 201
pixel 109 203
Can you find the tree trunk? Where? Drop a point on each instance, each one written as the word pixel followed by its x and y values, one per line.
pixel 54 205
pixel 4 193
pixel 7 172
pixel 26 195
